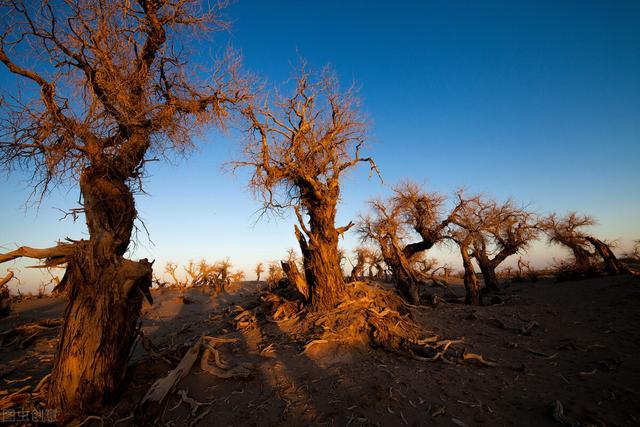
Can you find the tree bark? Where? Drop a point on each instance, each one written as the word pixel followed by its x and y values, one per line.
pixel 295 278
pixel 488 270
pixel 320 255
pixel 471 283
pixel 105 298
pixel 403 277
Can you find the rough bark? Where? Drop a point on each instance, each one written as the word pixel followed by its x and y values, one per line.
pixel 105 297
pixel 471 283
pixel 489 276
pixel 295 278
pixel 320 254
pixel 403 277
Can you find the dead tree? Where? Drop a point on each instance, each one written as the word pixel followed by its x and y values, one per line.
pixel 259 270
pixel 106 86
pixel 364 257
pixel 298 148
pixel 568 231
pixel 392 224
pixel 498 231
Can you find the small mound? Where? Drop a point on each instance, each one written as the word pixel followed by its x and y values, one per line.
pixel 370 317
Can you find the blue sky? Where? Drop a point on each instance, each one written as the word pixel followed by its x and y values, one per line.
pixel 535 100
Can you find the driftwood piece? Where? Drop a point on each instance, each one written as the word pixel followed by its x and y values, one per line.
pixel 161 388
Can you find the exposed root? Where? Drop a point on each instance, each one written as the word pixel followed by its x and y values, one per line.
pixel 194 405
pixel 246 320
pixel 377 317
pixel 158 392
pixel 221 369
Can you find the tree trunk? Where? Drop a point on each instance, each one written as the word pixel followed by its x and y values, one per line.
pixel 488 270
pixel 611 263
pixel 471 283
pixel 403 277
pixel 357 272
pixel 105 297
pixel 582 257
pixel 5 296
pixel 320 256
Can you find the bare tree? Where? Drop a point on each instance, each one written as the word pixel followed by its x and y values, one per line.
pixel 394 222
pixel 568 231
pixel 171 268
pixel 259 270
pixel 112 86
pixel 298 148
pixel 497 231
pixel 364 257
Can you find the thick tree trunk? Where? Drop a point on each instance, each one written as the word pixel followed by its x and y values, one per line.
pixel 105 297
pixel 582 257
pixel 403 277
pixel 321 258
pixel 471 283
pixel 488 270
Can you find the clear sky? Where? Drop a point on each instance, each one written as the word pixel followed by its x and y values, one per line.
pixel 537 100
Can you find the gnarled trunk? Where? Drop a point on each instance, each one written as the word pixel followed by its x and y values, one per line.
pixel 320 256
pixel 471 283
pixel 403 277
pixel 488 270
pixel 581 256
pixel 105 297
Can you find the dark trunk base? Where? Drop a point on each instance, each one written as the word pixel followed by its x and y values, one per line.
pixel 100 324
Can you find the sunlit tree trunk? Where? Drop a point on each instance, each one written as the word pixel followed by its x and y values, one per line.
pixel 105 297
pixel 320 255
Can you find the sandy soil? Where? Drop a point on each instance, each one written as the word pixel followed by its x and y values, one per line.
pixel 574 342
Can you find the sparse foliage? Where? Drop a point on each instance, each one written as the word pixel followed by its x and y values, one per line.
pixel 497 231
pixel 107 86
pixel 298 148
pixel 259 270
pixel 408 223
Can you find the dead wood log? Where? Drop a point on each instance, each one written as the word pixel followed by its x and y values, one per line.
pixel 161 388
pixel 53 256
pixel 295 278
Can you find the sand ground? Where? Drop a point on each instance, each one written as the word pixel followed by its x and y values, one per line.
pixel 573 342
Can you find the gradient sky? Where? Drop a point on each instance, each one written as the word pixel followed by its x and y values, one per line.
pixel 535 100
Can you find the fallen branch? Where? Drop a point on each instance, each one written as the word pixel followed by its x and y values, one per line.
pixel 161 388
